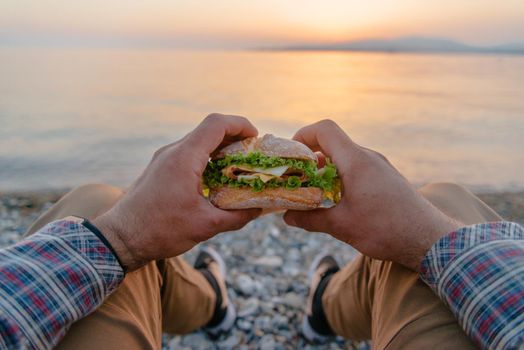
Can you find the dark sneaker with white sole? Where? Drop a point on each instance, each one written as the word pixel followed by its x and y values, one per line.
pixel 213 267
pixel 315 326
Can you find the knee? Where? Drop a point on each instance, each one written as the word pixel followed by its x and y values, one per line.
pixel 98 189
pixel 439 187
pixel 101 194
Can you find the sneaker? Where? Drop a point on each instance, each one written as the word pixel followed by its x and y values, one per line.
pixel 213 267
pixel 315 326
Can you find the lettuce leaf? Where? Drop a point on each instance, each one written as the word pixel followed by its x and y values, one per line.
pixel 324 179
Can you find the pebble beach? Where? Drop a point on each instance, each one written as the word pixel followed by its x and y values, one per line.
pixel 267 271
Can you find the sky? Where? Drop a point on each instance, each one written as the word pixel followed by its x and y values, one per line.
pixel 245 24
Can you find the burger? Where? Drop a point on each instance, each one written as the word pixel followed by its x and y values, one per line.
pixel 270 173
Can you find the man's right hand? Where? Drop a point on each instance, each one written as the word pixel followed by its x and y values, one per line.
pixel 380 213
pixel 164 213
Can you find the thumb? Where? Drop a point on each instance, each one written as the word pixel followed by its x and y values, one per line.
pixel 312 220
pixel 231 220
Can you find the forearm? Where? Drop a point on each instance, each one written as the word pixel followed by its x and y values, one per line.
pixel 50 280
pixel 478 272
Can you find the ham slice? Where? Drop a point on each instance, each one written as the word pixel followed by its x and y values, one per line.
pixel 295 172
pixel 247 172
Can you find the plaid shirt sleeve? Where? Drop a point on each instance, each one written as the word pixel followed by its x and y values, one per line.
pixel 52 279
pixel 478 272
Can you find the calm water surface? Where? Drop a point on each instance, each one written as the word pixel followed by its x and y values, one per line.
pixel 74 116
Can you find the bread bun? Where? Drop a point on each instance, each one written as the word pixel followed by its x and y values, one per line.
pixel 271 146
pixel 303 198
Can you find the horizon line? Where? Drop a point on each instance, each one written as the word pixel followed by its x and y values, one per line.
pixel 403 44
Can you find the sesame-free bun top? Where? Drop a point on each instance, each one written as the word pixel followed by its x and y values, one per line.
pixel 270 146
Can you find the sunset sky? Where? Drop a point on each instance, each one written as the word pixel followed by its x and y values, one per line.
pixel 242 23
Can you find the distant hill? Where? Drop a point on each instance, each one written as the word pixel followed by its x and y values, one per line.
pixel 409 44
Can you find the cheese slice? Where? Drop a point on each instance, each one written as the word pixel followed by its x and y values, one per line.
pixel 263 174
pixel 275 171
pixel 264 177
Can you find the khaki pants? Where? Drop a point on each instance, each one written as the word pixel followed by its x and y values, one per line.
pixel 389 304
pixel 163 296
pixel 367 299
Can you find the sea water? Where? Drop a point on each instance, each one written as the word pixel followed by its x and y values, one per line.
pixel 73 116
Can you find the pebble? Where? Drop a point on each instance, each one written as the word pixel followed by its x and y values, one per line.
pixel 198 339
pixel 246 285
pixel 294 254
pixel 229 343
pixel 172 344
pixel 267 307
pixel 284 336
pixel 244 325
pixel 291 270
pixel 279 322
pixel 263 323
pixel 249 308
pixel 9 238
pixel 269 261
pixel 291 299
pixel 260 289
pixel 267 342
pixel 274 231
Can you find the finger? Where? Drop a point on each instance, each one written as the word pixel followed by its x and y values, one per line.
pixel 217 128
pixel 226 142
pixel 229 139
pixel 324 136
pixel 164 148
pixel 312 220
pixel 321 159
pixel 231 220
pixel 379 155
